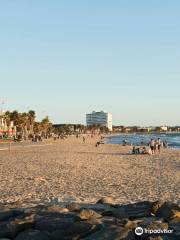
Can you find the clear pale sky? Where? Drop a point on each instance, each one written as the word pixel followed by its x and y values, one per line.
pixel 66 58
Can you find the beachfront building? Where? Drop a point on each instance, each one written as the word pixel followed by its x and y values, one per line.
pixel 99 118
pixel 164 128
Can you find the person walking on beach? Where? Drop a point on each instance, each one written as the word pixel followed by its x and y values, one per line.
pixel 159 145
pixel 152 146
pixel 165 144
pixel 84 139
pixel 155 145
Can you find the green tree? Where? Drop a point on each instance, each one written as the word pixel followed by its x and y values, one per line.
pixel 46 126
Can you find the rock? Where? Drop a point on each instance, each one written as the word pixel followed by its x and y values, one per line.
pixel 131 224
pixel 88 214
pixel 142 209
pixel 176 214
pixel 118 213
pixel 72 207
pixel 6 231
pixel 11 229
pixel 111 221
pixel 53 222
pixel 75 231
pixel 58 209
pixel 154 226
pixel 127 234
pixel 94 221
pixel 155 206
pixel 6 215
pixel 168 211
pixel 112 233
pixel 175 220
pixel 33 235
pixel 23 224
pixel 137 210
pixel 158 225
pixel 155 238
pixel 96 207
pixel 107 200
pixel 175 227
pixel 5 239
pixel 90 221
pixel 148 220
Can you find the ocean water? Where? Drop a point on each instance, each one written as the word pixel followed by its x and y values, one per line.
pixel 173 140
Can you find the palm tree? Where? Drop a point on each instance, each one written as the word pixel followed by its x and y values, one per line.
pixel 15 117
pixel 37 128
pixel 46 126
pixel 31 120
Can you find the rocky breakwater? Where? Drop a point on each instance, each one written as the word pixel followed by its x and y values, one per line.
pixel 103 220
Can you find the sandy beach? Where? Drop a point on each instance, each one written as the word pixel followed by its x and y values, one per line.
pixel 70 170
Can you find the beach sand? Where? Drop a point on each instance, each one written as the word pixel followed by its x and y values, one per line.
pixel 70 170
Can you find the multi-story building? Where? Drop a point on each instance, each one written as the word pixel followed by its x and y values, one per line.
pixel 99 118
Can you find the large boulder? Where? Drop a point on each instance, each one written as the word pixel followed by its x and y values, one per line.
pixel 11 229
pixel 112 232
pixel 33 235
pixel 9 214
pixel 51 225
pixel 168 211
pixel 120 213
pixel 75 231
pixel 137 210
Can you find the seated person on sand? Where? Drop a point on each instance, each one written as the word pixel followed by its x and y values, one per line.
pixel 99 143
pixel 138 150
pixel 135 150
pixel 146 151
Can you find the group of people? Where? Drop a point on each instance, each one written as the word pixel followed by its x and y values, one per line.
pixel 154 146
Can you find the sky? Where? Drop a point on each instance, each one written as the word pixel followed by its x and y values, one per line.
pixel 67 58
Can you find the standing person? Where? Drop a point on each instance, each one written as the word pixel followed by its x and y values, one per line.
pixel 84 139
pixel 159 145
pixel 155 145
pixel 124 142
pixel 142 142
pixel 165 145
pixel 152 146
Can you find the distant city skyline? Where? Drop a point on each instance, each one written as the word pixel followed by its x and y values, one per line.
pixel 67 58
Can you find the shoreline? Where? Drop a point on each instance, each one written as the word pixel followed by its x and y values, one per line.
pixel 108 138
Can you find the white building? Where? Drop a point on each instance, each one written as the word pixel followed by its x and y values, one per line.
pixel 100 118
pixel 164 128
